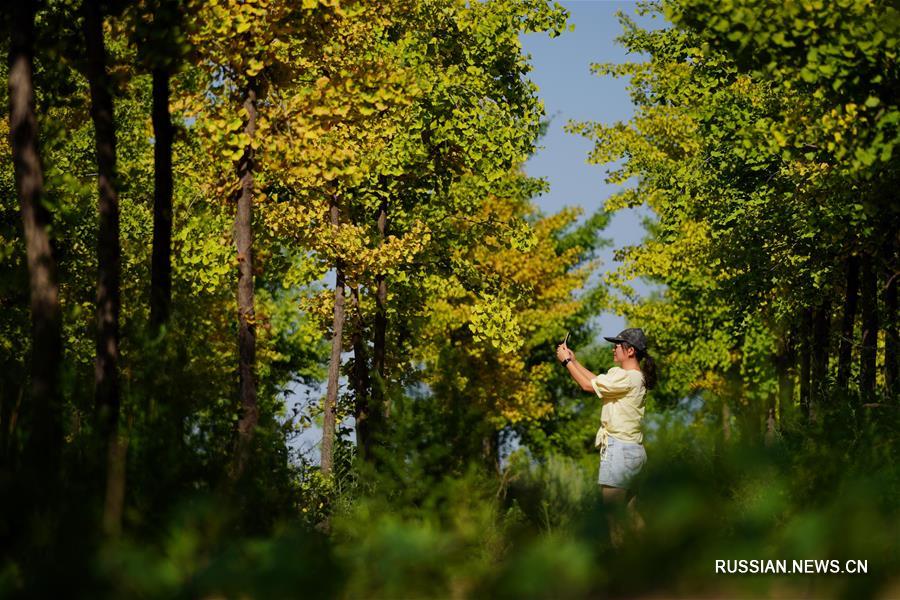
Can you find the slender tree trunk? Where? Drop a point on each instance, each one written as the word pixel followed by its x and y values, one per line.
pixel 869 309
pixel 891 340
pixel 46 322
pixel 784 365
pixel 380 334
pixel 845 354
pixel 12 404
pixel 114 502
pixel 243 238
pixel 726 421
pixel 334 366
pixel 770 426
pixel 819 366
pixel 106 376
pixel 361 382
pixel 161 267
pixel 805 363
pixel 490 451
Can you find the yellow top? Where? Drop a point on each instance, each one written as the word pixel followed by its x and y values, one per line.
pixel 622 392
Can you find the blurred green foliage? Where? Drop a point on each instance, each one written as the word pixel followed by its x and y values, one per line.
pixel 539 528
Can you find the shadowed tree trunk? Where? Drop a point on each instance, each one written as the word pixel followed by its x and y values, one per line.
pixel 380 333
pixel 362 411
pixel 891 341
pixel 726 421
pixel 805 363
pixel 490 451
pixel 334 365
pixel 243 238
pixel 845 354
pixel 869 310
pixel 770 426
pixel 106 377
pixel 45 419
pixel 784 365
pixel 161 266
pixel 819 366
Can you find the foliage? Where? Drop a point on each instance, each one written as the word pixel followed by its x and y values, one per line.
pixel 764 143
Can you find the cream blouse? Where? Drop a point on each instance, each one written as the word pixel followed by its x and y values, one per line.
pixel 622 392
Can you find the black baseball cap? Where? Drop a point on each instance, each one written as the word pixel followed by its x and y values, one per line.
pixel 633 336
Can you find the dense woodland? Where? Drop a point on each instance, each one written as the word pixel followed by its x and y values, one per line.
pixel 210 206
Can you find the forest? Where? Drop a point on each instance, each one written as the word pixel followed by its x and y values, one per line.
pixel 229 225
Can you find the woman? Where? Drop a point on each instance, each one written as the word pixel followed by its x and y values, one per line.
pixel 622 390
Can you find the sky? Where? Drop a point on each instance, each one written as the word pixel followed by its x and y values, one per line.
pixel 561 69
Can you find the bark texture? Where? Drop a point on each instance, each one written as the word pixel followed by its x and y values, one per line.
pixel 362 408
pixel 851 295
pixel 891 341
pixel 243 238
pixel 334 365
pixel 106 375
pixel 161 265
pixel 820 351
pixel 46 322
pixel 805 362
pixel 380 333
pixel 869 341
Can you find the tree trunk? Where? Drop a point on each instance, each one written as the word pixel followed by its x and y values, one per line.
pixel 380 333
pixel 845 354
pixel 243 237
pixel 46 322
pixel 334 365
pixel 490 451
pixel 362 411
pixel 726 421
pixel 891 340
pixel 819 366
pixel 106 376
pixel 114 504
pixel 805 364
pixel 161 266
pixel 869 349
pixel 784 365
pixel 770 426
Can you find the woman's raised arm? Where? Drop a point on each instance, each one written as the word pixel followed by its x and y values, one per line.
pixel 578 371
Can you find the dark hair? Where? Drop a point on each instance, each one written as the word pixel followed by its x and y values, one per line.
pixel 648 366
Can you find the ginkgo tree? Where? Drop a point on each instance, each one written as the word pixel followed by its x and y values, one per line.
pixel 447 116
pixel 757 205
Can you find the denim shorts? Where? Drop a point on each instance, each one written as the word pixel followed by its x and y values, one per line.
pixel 620 462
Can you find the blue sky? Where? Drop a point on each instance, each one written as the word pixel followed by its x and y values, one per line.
pixel 561 69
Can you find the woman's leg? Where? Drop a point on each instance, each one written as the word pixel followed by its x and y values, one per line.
pixel 614 498
pixel 637 521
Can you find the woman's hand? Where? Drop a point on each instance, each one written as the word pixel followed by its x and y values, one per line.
pixel 563 352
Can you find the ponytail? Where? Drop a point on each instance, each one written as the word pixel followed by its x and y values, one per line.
pixel 648 368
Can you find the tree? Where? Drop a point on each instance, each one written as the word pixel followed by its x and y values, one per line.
pixel 760 165
pixel 234 39
pixel 108 253
pixel 442 116
pixel 493 314
pixel 159 32
pixel 46 347
pixel 837 64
